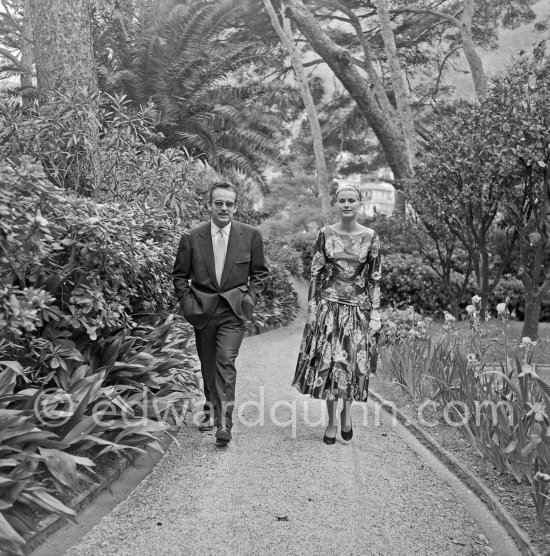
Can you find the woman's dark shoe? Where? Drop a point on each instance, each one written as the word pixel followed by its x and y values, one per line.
pixel 329 439
pixel 347 435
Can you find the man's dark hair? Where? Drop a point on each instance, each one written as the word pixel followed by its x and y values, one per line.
pixel 223 185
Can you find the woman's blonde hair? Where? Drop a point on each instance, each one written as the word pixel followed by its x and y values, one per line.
pixel 348 186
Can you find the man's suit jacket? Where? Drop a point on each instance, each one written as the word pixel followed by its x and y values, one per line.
pixel 243 278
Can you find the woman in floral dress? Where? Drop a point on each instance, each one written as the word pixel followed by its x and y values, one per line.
pixel 339 350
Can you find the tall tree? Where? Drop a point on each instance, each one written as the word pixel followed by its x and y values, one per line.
pixel 27 56
pixel 401 92
pixel 64 58
pixel 487 166
pixel 520 104
pixel 388 132
pixel 476 22
pixel 286 36
pixel 458 184
pixel 63 46
pixel 16 41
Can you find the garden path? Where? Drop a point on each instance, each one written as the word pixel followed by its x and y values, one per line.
pixel 278 489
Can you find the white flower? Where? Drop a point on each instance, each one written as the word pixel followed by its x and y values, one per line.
pixel 501 308
pixel 476 299
pixel 537 410
pixel 527 369
pixel 449 317
pixel 544 477
pixel 470 309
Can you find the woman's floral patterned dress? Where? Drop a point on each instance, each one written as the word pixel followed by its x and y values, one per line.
pixel 337 356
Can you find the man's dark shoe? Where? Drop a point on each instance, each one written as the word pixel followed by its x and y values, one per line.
pixel 223 434
pixel 206 424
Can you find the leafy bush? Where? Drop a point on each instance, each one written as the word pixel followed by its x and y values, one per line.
pixel 98 260
pixel 511 288
pixel 283 252
pixel 76 275
pixel 304 244
pixel 399 324
pixel 129 165
pixel 278 304
pixel 91 360
pixel 408 282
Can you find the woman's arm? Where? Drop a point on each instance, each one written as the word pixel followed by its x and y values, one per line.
pixel 318 264
pixel 373 275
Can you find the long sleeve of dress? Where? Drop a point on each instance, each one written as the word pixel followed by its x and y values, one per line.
pixel 372 280
pixel 318 263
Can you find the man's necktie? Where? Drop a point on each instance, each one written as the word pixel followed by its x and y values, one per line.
pixel 219 254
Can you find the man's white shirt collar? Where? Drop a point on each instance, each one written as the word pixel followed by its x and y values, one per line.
pixel 225 230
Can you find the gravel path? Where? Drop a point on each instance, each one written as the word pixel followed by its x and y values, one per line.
pixel 277 489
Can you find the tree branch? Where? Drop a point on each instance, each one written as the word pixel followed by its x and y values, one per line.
pixel 441 67
pixel 368 65
pixel 13 59
pixel 12 19
pixel 427 11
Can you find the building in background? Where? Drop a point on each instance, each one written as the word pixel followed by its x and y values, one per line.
pixel 378 198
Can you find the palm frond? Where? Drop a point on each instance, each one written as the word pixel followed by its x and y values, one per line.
pixel 178 53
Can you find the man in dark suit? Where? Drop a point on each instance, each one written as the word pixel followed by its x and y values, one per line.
pixel 219 275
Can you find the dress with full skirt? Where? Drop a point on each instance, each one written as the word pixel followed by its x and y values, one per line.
pixel 337 355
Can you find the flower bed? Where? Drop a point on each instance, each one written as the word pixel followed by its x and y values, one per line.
pixel 501 408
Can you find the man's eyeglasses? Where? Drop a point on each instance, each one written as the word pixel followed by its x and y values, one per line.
pixel 220 204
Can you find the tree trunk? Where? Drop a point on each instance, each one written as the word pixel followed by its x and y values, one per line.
pixel 26 52
pixel 63 46
pixel 287 39
pixel 340 61
pixel 63 53
pixel 375 79
pixel 465 27
pixel 472 57
pixel 532 316
pixel 485 289
pixel 398 83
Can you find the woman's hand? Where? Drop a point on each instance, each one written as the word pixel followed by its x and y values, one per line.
pixel 374 330
pixel 374 326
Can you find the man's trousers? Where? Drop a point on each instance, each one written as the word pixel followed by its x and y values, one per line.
pixel 218 345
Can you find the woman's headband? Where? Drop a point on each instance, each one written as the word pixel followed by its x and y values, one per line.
pixel 348 186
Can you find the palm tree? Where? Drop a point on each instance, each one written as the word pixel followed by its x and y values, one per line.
pixel 180 54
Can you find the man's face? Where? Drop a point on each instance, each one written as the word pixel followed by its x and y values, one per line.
pixel 222 207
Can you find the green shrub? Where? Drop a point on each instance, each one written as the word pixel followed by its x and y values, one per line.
pixel 304 244
pixel 407 281
pixel 283 252
pixel 91 358
pixel 511 288
pixel 75 276
pixel 278 304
